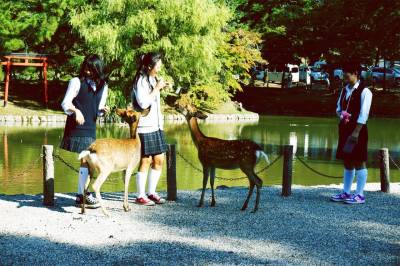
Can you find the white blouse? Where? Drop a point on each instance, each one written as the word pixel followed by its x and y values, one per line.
pixel 154 121
pixel 73 89
pixel 366 100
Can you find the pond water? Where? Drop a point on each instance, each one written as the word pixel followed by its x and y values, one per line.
pixel 314 139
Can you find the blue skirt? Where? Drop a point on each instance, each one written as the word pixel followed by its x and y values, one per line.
pixel 76 144
pixel 153 143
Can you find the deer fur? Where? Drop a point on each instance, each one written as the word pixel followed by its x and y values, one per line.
pixel 106 156
pixel 224 154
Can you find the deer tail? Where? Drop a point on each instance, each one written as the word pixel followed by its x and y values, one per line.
pixel 261 153
pixel 83 154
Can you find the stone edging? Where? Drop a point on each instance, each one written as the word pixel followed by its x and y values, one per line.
pixel 39 119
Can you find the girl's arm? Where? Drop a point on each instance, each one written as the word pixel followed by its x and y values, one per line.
pixel 72 91
pixel 67 105
pixel 366 100
pixel 143 95
pixel 102 105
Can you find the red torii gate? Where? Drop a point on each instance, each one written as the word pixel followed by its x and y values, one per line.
pixel 23 59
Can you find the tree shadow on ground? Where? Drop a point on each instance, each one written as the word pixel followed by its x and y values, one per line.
pixel 16 249
pixel 307 222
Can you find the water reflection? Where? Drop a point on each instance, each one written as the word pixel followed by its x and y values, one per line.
pixel 313 138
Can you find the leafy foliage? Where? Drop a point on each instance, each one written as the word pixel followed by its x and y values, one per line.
pixel 199 55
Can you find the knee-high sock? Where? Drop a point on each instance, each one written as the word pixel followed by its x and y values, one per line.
pixel 153 181
pixel 141 178
pixel 362 175
pixel 83 175
pixel 348 177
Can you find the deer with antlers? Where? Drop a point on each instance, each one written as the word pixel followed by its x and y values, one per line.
pixel 105 156
pixel 224 154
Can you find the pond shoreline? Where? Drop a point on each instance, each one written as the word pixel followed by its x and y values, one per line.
pixel 302 229
pixel 16 120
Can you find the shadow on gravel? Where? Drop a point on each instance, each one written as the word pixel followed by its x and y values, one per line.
pixel 62 200
pixel 306 222
pixel 18 250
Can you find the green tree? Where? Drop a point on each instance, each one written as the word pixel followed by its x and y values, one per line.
pixel 27 24
pixel 193 35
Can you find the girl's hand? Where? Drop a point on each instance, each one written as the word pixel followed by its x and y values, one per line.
pixel 161 84
pixel 79 117
pixel 106 109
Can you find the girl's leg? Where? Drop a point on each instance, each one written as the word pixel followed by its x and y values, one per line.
pixel 362 174
pixel 141 176
pixel 155 173
pixel 83 176
pixel 90 201
pixel 348 176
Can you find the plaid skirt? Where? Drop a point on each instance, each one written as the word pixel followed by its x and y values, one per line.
pixel 153 143
pixel 76 144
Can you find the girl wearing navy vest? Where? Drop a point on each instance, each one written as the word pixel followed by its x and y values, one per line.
pixel 84 101
pixel 146 95
pixel 353 108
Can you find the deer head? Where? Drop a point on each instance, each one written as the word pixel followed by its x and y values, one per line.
pixel 131 117
pixel 185 107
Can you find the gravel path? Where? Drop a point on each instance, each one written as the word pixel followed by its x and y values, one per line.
pixel 303 229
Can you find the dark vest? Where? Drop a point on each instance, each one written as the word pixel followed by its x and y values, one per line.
pixel 87 101
pixel 353 103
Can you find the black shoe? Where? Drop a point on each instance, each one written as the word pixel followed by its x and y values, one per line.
pixel 90 201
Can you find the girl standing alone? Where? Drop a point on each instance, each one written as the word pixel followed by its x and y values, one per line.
pixel 353 108
pixel 146 95
pixel 84 101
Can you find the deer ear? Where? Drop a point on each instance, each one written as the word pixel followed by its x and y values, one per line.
pixel 121 112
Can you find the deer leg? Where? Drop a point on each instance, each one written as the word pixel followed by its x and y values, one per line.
pixel 251 188
pixel 212 179
pixel 259 185
pixel 96 187
pixel 128 174
pixel 206 171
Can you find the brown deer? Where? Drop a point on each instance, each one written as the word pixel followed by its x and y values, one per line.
pixel 224 154
pixel 106 156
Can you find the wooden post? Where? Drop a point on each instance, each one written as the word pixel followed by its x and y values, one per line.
pixel 171 173
pixel 7 85
pixel 48 175
pixel 287 170
pixel 46 97
pixel 385 170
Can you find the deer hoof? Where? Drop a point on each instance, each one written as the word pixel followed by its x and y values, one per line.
pixel 213 204
pixel 254 211
pixel 127 208
pixel 200 205
pixel 243 208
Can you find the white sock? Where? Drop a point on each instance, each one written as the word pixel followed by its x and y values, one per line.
pixel 83 176
pixel 141 184
pixel 153 181
pixel 348 177
pixel 362 175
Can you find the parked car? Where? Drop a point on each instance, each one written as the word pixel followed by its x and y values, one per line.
pixel 338 74
pixel 275 74
pixel 258 72
pixel 304 74
pixel 317 75
pixel 366 73
pixel 392 75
